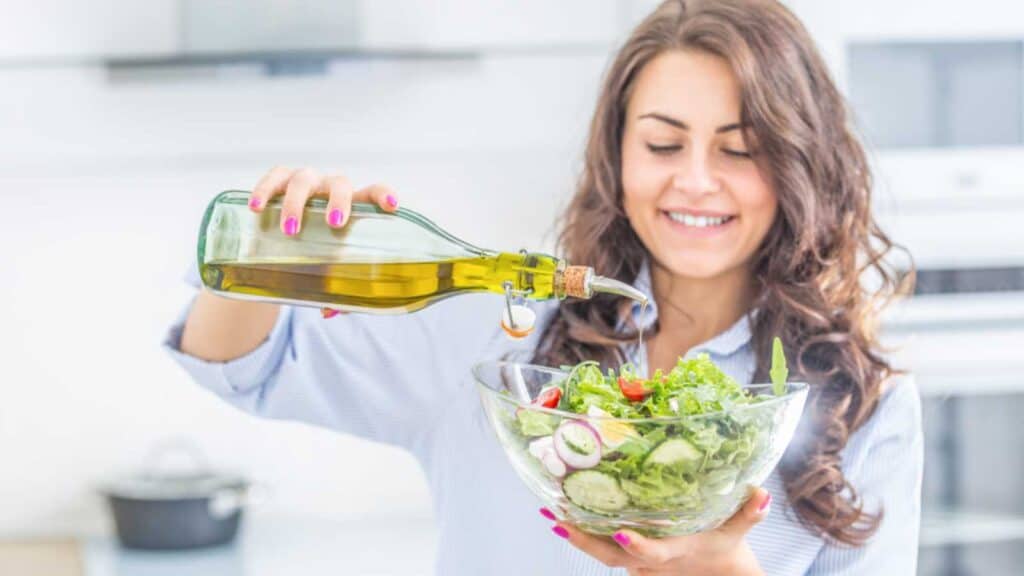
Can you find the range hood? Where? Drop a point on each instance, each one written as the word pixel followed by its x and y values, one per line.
pixel 210 31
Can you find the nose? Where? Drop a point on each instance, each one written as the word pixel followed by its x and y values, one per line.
pixel 695 176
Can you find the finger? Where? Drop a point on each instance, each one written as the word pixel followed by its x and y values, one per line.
pixel 650 551
pixel 752 512
pixel 303 184
pixel 607 552
pixel 547 513
pixel 271 184
pixel 339 203
pixel 380 195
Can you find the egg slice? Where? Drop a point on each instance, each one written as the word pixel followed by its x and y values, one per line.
pixel 613 433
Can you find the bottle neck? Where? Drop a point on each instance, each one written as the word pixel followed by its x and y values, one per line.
pixel 573 281
pixel 581 282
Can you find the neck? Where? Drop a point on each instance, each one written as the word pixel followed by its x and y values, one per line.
pixel 691 311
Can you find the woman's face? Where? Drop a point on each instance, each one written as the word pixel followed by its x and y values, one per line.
pixel 694 190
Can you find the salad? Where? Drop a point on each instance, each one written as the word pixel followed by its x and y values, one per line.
pixel 633 451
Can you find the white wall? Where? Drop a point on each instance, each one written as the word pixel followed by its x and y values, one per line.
pixel 40 30
pixel 103 181
pixel 103 184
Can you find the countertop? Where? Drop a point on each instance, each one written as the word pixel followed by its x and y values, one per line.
pixel 280 546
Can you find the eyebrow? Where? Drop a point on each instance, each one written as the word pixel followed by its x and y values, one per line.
pixel 684 126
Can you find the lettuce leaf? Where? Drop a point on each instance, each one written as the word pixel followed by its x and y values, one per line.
pixel 532 423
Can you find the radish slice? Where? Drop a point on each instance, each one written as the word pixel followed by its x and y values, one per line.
pixel 543 449
pixel 577 444
pixel 541 446
pixel 554 464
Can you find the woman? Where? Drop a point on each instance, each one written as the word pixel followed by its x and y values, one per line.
pixel 720 177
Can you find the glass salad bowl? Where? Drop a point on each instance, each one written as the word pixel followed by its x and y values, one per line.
pixel 660 476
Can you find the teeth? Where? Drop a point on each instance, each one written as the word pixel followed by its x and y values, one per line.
pixel 698 221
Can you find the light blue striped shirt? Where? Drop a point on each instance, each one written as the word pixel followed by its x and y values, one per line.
pixel 405 380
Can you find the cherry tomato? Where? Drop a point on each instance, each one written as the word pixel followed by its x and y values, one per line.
pixel 633 390
pixel 549 398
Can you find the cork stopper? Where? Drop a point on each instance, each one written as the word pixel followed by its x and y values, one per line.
pixel 576 281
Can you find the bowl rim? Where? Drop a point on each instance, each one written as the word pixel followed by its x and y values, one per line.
pixel 793 389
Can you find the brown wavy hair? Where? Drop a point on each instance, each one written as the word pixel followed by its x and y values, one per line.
pixel 814 265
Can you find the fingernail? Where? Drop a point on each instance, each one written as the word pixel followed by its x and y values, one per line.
pixel 548 514
pixel 328 313
pixel 561 532
pixel 254 203
pixel 291 226
pixel 391 200
pixel 621 538
pixel 764 505
pixel 335 217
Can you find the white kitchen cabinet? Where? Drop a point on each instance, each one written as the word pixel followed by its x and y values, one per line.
pixel 929 19
pixel 963 350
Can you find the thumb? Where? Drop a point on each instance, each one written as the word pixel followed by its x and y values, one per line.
pixel 752 512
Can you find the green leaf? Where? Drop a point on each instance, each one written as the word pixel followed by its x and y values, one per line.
pixel 532 423
pixel 779 373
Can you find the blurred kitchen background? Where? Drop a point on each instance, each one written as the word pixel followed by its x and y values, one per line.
pixel 119 120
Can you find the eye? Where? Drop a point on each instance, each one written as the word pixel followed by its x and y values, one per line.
pixel 664 150
pixel 736 153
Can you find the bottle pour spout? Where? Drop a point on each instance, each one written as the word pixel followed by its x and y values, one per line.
pixel 612 286
pixel 581 282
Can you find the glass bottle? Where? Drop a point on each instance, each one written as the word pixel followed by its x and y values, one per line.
pixel 379 262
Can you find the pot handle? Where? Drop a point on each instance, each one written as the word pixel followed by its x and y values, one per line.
pixel 226 502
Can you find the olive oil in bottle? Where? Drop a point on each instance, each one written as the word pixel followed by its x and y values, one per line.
pixel 379 262
pixel 384 286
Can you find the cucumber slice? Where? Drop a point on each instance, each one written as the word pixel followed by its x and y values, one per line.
pixel 595 491
pixel 580 440
pixel 674 451
pixel 578 444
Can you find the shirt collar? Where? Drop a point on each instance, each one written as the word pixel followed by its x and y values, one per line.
pixel 723 344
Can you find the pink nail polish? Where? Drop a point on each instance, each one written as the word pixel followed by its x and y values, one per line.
pixel 328 313
pixel 621 538
pixel 391 200
pixel 334 218
pixel 764 505
pixel 254 203
pixel 561 532
pixel 291 226
pixel 548 514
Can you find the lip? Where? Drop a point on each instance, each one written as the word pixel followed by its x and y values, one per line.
pixel 695 232
pixel 691 212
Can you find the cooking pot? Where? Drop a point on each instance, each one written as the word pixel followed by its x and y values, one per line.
pixel 164 510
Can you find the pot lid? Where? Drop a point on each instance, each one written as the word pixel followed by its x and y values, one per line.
pixel 174 486
pixel 192 478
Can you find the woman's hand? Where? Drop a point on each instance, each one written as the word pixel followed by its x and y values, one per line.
pixel 300 184
pixel 720 551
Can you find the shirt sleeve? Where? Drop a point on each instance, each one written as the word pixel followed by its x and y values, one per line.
pixel 385 378
pixel 889 474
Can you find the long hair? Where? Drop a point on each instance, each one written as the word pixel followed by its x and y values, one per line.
pixel 815 265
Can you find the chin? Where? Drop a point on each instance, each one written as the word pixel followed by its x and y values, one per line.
pixel 695 268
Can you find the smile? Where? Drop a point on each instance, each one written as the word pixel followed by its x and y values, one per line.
pixel 693 221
